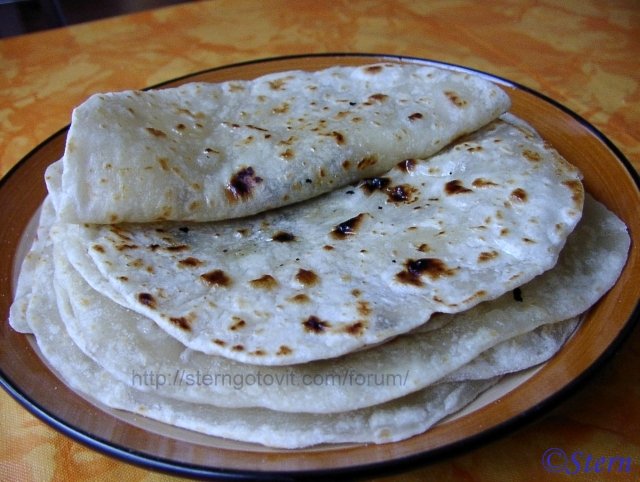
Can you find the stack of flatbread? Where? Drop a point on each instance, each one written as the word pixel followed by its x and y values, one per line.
pixel 347 255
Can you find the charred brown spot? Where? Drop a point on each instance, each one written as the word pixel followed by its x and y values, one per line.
pixel 266 282
pixel 300 298
pixel 241 184
pixel 181 322
pixel 533 156
pixel 367 162
pixel 125 247
pixel 284 350
pixel 190 262
pixel 373 69
pixel 281 109
pixel 219 342
pixel 375 184
pixel 346 164
pixel 177 248
pixel 147 299
pixel 339 137
pixel 415 269
pixel 363 307
pixel 307 277
pixel 287 154
pixel 408 165
pixel 482 182
pixel 401 193
pixel 156 132
pixel 577 191
pixel 259 352
pixel 277 84
pixel 98 247
pixel 378 97
pixel 424 248
pixel 347 228
pixel 455 98
pixel 123 278
pixel 355 329
pixel 237 324
pixel 504 231
pixel 283 237
pixel 455 187
pixel 415 116
pixel 356 292
pixel 313 324
pixel 487 256
pixel 237 347
pixel 328 247
pixel 217 277
pixel 164 163
pixel 519 195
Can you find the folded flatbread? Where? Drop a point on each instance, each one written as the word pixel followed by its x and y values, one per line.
pixel 135 351
pixel 204 152
pixel 351 268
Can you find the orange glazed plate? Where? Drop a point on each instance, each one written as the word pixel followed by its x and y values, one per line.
pixel 608 176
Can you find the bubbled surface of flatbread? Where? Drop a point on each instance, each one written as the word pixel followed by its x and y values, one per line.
pixel 352 268
pixel 205 152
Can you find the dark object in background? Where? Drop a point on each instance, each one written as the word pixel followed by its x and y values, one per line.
pixel 23 16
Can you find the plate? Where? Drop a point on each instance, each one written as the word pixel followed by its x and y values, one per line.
pixel 608 176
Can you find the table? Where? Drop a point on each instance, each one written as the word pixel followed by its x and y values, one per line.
pixel 583 53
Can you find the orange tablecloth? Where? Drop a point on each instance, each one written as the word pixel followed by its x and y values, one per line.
pixel 583 53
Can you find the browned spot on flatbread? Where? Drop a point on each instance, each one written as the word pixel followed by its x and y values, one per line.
pixel 300 298
pixel 434 268
pixel 401 193
pixel 313 324
pixel 339 137
pixel 373 69
pixel 265 282
pixel 482 182
pixel 99 248
pixel 283 237
pixel 241 184
pixel 284 350
pixel 456 187
pixel 348 227
pixel 156 132
pixel 217 277
pixel 355 329
pixel 278 84
pixel 219 342
pixel 237 347
pixel 367 162
pixel 363 307
pixel 487 256
pixel 577 190
pixel 455 98
pixel 307 277
pixel 237 324
pixel 374 184
pixel 378 97
pixel 533 156
pixel 181 322
pixel 519 195
pixel 147 299
pixel 415 116
pixel 164 163
pixel 190 262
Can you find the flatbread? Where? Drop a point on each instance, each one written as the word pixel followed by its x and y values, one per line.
pixel 386 423
pixel 205 152
pixel 136 352
pixel 352 268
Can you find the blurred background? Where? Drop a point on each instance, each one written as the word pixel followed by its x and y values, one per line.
pixel 23 16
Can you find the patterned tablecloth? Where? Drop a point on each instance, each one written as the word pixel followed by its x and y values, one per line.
pixel 583 53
